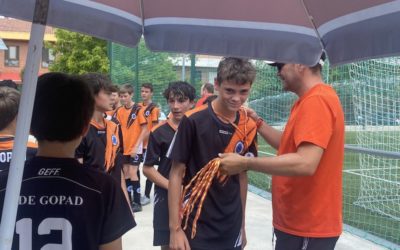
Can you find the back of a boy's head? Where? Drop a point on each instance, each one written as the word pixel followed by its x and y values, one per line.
pixel 9 102
pixel 63 107
pixel 180 89
pixel 126 88
pixel 97 82
pixel 237 70
pixel 9 83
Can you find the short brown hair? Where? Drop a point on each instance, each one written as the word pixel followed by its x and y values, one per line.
pixel 148 85
pixel 114 88
pixel 126 88
pixel 237 70
pixel 208 87
pixel 9 103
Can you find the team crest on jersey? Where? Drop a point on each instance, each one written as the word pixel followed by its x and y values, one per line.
pixel 147 113
pixel 133 116
pixel 239 147
pixel 249 154
pixel 114 140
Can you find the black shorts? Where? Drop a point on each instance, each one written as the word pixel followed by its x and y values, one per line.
pixel 143 155
pixel 133 161
pixel 161 238
pixel 285 241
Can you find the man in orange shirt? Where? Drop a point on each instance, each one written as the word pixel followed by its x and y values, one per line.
pixel 207 89
pixel 307 172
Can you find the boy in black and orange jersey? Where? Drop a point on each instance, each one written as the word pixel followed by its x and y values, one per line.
pixel 180 97
pixel 151 112
pixel 134 129
pixel 101 146
pixel 203 133
pixel 9 102
pixel 63 205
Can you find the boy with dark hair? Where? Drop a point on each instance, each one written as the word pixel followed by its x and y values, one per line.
pixel 151 113
pixel 134 129
pixel 221 126
pixel 101 146
pixel 180 97
pixel 8 83
pixel 9 103
pixel 62 204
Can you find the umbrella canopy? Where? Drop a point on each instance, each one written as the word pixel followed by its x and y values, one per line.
pixel 284 31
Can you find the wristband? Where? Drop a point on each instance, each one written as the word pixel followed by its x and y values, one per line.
pixel 259 122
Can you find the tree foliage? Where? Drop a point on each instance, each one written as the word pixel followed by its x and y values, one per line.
pixel 77 53
pixel 154 67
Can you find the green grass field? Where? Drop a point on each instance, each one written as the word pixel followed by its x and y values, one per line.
pixel 360 191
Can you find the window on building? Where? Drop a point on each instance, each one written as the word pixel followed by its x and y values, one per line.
pixel 12 56
pixel 47 57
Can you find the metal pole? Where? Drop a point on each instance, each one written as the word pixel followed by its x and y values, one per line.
pixel 24 117
pixel 137 74
pixel 193 69
pixel 183 68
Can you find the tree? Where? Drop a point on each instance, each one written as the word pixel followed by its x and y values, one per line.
pixel 78 54
pixel 154 67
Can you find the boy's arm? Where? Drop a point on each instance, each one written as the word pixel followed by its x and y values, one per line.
pixel 178 238
pixel 113 245
pixel 152 174
pixel 143 133
pixel 243 180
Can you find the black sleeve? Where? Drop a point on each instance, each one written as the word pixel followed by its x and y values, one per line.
pixel 81 149
pixel 153 151
pixel 253 147
pixel 181 145
pixel 118 217
pixel 121 139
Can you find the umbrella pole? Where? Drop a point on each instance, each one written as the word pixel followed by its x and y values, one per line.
pixel 21 138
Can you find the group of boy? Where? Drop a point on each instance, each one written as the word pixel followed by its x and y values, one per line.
pixel 307 167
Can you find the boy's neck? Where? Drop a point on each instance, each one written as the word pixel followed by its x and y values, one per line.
pixel 221 110
pixel 145 103
pixel 56 149
pixel 98 117
pixel 129 105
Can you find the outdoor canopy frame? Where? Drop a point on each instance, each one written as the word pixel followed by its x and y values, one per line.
pixel 284 31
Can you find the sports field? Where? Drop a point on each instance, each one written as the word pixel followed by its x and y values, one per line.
pixel 371 188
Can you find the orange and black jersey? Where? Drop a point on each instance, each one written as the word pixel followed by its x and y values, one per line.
pixel 100 148
pixel 6 147
pixel 63 203
pixel 131 120
pixel 151 113
pixel 200 137
pixel 159 141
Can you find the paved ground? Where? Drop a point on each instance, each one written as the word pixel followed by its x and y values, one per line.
pixel 259 229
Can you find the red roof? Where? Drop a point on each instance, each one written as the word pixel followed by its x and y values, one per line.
pixel 10 76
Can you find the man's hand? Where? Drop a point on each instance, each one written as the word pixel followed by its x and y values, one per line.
pixel 252 114
pixel 232 164
pixel 178 240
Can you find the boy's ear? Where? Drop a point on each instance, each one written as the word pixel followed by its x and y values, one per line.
pixel 216 84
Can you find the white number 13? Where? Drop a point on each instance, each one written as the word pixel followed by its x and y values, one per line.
pixel 24 230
